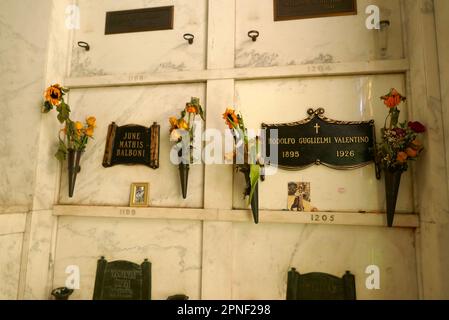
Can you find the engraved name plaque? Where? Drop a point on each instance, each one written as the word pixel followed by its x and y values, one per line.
pixel 132 145
pixel 304 9
pixel 122 280
pixel 319 140
pixel 139 20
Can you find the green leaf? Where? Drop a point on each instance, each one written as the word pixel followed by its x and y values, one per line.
pixel 63 112
pixel 61 154
pixel 254 175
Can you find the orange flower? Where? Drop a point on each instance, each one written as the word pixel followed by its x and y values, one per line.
pixel 416 144
pixel 53 94
pixel 411 153
pixel 393 99
pixel 90 132
pixel 231 118
pixel 173 123
pixel 91 122
pixel 402 157
pixel 190 108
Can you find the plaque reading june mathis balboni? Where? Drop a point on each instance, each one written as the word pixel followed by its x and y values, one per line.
pixel 132 144
pixel 319 140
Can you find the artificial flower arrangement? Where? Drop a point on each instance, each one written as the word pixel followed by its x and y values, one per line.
pixel 182 131
pixel 250 164
pixel 75 135
pixel 400 145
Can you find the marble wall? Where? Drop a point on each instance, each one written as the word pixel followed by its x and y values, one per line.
pixel 309 41
pixel 23 57
pixel 343 98
pixel 142 52
pixel 442 25
pixel 22 70
pixel 263 255
pixel 192 257
pixel 132 105
pixel 173 248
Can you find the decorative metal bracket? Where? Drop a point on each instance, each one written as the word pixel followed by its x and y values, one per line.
pixel 189 37
pixel 253 34
pixel 84 45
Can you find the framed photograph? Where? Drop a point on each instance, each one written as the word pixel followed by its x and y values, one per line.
pixel 299 197
pixel 139 195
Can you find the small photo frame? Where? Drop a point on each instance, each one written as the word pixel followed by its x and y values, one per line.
pixel 139 195
pixel 299 197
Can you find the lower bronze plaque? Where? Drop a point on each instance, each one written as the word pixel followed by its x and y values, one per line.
pixel 319 140
pixel 303 9
pixel 320 286
pixel 132 144
pixel 148 19
pixel 122 280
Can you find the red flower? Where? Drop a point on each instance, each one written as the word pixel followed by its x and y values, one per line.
pixel 400 132
pixel 417 127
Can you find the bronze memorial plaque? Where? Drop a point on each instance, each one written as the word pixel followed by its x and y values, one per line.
pixel 131 145
pixel 319 140
pixel 303 9
pixel 148 19
pixel 122 280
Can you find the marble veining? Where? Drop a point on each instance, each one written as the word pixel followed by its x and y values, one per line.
pixel 345 38
pixel 10 256
pixel 172 247
pixel 345 98
pixel 264 254
pixel 154 51
pixel 132 105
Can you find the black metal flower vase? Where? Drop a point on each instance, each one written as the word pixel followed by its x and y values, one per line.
pixel 184 175
pixel 73 166
pixel 255 198
pixel 392 182
pixel 62 293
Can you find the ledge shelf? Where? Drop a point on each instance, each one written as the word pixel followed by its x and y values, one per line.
pixel 266 216
pixel 297 71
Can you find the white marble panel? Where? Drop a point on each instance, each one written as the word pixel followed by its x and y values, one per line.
pixel 141 52
pixel 343 98
pixel 319 40
pixel 10 256
pixel 264 254
pixel 173 248
pixel 38 269
pixel 132 105
pixel 22 69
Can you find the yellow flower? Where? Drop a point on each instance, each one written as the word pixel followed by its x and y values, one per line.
pixel 90 132
pixel 182 124
pixel 78 127
pixel 173 123
pixel 91 122
pixel 53 94
pixel 231 118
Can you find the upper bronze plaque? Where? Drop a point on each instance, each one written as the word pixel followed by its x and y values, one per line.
pixel 319 140
pixel 149 19
pixel 303 9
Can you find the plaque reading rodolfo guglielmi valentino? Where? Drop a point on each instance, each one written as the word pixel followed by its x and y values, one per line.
pixel 319 140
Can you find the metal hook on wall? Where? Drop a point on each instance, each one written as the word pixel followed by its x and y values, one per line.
pixel 189 37
pixel 84 45
pixel 253 34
